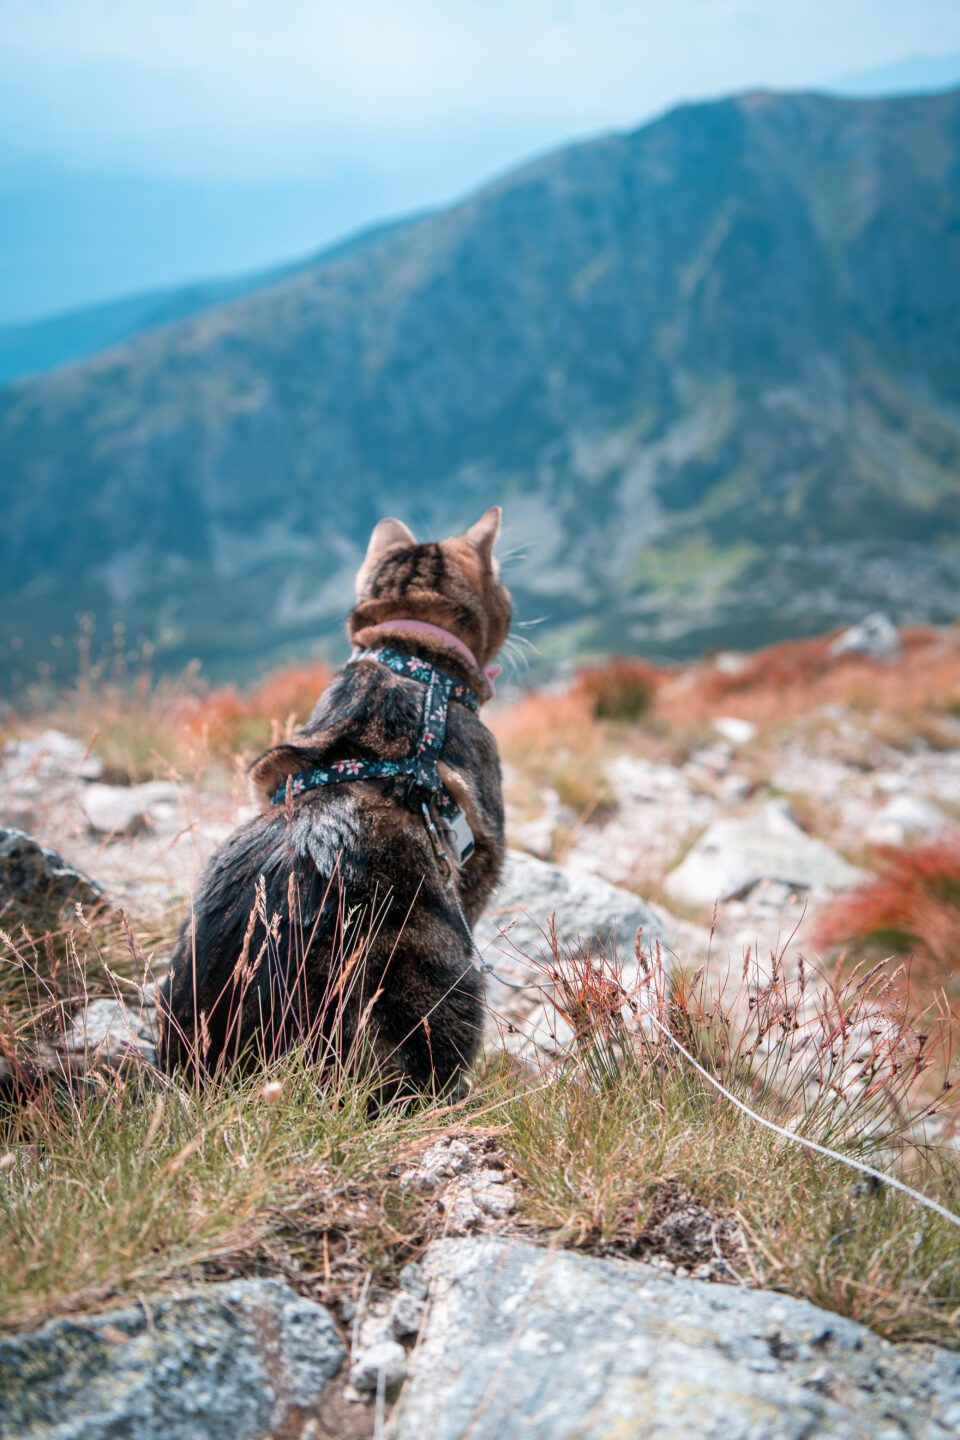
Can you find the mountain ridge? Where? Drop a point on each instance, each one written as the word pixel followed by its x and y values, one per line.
pixel 30 347
pixel 710 366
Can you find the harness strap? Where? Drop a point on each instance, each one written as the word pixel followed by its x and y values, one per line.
pixel 420 767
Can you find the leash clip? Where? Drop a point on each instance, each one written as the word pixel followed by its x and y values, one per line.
pixel 433 834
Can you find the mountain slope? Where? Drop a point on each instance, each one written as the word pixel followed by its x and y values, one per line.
pixel 711 369
pixel 34 346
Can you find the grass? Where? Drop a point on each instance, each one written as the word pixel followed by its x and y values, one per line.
pixel 782 683
pixel 130 1182
pixel 627 1120
pixel 914 905
pixel 550 741
pixel 144 728
pixel 911 910
pixel 623 689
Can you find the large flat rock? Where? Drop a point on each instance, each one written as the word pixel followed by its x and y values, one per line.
pixel 241 1360
pixel 547 1345
pixel 733 854
pixel 586 909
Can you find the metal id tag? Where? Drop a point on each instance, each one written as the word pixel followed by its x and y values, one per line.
pixel 461 836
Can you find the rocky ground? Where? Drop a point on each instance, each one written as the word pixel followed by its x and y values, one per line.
pixel 742 841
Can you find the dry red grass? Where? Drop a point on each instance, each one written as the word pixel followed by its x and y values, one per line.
pixel 228 720
pixel 178 725
pixel 784 681
pixel 913 906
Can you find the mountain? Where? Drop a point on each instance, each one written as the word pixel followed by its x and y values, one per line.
pixel 912 75
pixel 37 345
pixel 711 369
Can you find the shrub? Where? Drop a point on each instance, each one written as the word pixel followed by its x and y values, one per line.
pixel 622 689
pixel 228 720
pixel 913 905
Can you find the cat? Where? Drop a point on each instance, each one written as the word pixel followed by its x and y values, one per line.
pixel 329 919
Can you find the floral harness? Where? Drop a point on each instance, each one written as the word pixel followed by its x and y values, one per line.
pixel 421 766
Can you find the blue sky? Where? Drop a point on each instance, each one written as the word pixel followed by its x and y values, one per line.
pixel 148 141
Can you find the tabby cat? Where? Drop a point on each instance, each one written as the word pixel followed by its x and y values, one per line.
pixel 330 920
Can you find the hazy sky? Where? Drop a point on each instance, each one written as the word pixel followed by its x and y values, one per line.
pixel 380 105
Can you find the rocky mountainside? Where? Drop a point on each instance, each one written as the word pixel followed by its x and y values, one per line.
pixel 711 369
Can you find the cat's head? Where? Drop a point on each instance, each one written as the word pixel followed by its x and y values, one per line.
pixel 452 583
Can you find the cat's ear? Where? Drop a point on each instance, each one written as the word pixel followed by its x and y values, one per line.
pixel 386 533
pixel 483 535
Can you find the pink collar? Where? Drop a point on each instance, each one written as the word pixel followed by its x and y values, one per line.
pixel 437 632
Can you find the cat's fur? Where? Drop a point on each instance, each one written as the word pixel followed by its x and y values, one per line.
pixel 368 936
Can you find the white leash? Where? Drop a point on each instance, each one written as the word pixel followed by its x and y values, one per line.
pixel 486 968
pixel 860 1165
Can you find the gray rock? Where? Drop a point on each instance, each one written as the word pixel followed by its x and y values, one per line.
pixel 31 765
pixel 735 729
pixel 110 1028
pixel 131 809
pixel 406 1315
pixel 32 874
pixel 876 636
pixel 585 908
pixel 413 1280
pixel 905 817
pixel 381 1365
pixel 236 1360
pixel 548 1345
pixel 732 855
pixel 512 936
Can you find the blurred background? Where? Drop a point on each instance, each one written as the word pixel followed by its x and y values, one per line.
pixel 679 288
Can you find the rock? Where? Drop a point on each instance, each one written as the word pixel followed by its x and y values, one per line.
pixel 659 811
pixel 406 1315
pixel 730 662
pixel 383 1364
pixel 733 789
pixel 126 810
pixel 413 1280
pixel 585 908
pixel 110 1028
pixel 469 1181
pixel 738 732
pixel 906 817
pixel 771 895
pixel 876 636
pixel 709 762
pixel 31 766
pixel 512 935
pixel 548 1345
pixel 33 875
pixel 238 1360
pixel 732 855
pixel 537 835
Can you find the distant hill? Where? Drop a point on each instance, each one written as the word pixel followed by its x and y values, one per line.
pixel 913 75
pixel 38 345
pixel 711 369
